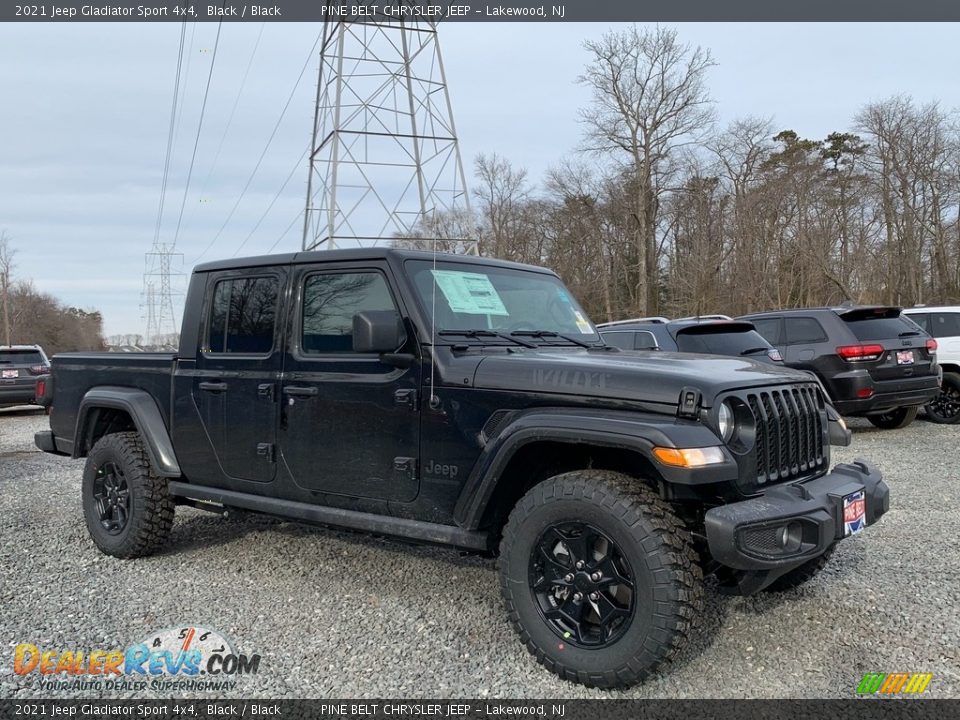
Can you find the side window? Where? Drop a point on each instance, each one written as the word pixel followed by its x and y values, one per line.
pixel 945 324
pixel 921 319
pixel 330 300
pixel 769 328
pixel 803 330
pixel 645 340
pixel 622 339
pixel 243 315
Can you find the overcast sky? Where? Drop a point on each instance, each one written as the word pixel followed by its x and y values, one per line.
pixel 84 110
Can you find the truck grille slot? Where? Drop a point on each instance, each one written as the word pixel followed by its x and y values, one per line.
pixel 789 439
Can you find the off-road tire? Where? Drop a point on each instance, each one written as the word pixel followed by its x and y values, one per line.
pixel 151 505
pixel 894 419
pixel 668 581
pixel 951 384
pixel 798 576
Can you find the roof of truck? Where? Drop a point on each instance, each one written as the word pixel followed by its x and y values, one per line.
pixel 375 253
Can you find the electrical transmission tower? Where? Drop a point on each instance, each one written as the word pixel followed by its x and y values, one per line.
pixel 385 162
pixel 158 293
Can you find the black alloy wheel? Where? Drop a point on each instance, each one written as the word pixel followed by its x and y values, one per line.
pixel 112 497
pixel 582 584
pixel 945 407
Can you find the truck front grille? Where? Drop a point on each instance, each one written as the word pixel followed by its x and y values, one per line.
pixel 790 430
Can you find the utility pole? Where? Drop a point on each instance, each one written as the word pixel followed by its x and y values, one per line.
pixel 385 162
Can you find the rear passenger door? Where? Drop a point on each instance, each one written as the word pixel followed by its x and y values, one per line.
pixel 945 327
pixel 238 369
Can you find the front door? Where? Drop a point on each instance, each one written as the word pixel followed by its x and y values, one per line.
pixel 349 422
pixel 236 384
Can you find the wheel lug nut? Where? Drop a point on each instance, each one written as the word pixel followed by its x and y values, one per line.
pixel 578 597
pixel 596 576
pixel 579 564
pixel 594 596
pixel 568 577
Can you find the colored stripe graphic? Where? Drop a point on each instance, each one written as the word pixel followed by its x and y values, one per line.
pixel 893 683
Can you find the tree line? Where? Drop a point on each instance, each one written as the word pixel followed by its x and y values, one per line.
pixel 31 317
pixel 665 213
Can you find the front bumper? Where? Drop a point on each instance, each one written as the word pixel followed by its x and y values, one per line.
pixel 745 535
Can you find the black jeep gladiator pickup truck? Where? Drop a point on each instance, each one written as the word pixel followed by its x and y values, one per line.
pixel 470 402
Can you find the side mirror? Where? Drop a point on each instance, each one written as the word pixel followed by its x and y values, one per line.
pixel 378 331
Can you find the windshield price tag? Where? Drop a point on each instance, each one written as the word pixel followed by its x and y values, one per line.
pixel 470 293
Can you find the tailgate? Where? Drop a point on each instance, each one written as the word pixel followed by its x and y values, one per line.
pixel 902 343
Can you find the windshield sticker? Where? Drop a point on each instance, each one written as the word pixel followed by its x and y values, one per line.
pixel 470 293
pixel 582 324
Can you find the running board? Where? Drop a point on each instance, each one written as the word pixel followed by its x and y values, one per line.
pixel 339 517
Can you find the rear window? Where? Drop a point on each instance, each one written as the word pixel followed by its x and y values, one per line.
pixel 883 328
pixel 20 357
pixel 721 343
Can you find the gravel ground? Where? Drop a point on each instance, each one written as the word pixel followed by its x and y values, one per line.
pixel 342 615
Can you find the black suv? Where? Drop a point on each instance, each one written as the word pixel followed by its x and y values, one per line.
pixel 710 335
pixel 19 367
pixel 873 361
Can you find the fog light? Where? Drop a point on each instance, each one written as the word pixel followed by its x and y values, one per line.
pixel 790 537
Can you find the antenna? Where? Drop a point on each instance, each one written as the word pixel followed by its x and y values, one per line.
pixel 385 161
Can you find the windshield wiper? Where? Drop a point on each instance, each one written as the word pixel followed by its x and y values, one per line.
pixel 551 333
pixel 754 351
pixel 477 334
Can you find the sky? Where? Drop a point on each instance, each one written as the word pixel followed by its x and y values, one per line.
pixel 85 108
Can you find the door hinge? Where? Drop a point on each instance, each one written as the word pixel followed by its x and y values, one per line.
pixel 265 391
pixel 406 398
pixel 405 466
pixel 266 451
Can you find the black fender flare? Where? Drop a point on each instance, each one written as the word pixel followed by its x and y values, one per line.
pixel 143 410
pixel 636 431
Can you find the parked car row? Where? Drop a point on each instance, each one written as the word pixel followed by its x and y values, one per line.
pixel 874 361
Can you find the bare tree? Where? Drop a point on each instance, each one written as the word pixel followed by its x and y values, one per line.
pixel 649 98
pixel 6 271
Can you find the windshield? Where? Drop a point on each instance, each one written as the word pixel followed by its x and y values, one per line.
pixel 490 299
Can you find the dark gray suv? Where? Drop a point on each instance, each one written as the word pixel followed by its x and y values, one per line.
pixel 19 367
pixel 873 361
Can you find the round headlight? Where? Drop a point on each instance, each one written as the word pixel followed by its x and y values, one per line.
pixel 725 422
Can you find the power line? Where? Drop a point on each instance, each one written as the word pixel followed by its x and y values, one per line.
pixel 273 202
pixel 170 133
pixel 286 232
pixel 196 142
pixel 263 154
pixel 233 112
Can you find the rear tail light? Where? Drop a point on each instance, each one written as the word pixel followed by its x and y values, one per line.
pixel 931 346
pixel 865 393
pixel 859 353
pixel 39 370
pixel 41 389
pixel 774 355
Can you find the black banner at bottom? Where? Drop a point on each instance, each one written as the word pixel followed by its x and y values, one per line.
pixel 483 709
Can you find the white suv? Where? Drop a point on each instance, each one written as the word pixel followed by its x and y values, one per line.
pixel 943 323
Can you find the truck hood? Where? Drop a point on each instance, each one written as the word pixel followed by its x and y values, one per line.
pixel 656 377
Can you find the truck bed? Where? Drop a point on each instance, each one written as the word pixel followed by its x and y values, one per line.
pixel 75 373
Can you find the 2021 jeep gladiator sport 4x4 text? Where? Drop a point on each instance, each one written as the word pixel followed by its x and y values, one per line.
pixel 470 402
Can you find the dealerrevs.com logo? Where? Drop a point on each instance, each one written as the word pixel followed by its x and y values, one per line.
pixel 184 658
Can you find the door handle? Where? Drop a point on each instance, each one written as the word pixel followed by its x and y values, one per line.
pixel 300 391
pixel 213 386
